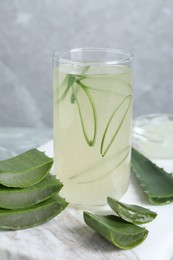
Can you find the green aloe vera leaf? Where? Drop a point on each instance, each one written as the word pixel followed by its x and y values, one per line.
pixel 155 182
pixel 67 83
pixel 107 165
pixel 131 213
pixel 122 234
pixel 75 89
pixel 15 198
pixel 121 83
pixel 78 79
pixel 89 114
pixel 114 123
pixel 84 70
pixel 13 219
pixel 25 170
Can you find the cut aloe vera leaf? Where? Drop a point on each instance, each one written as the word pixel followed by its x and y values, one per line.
pixel 25 170
pixel 15 198
pixel 84 70
pixel 115 122
pixel 155 182
pixel 121 83
pixel 131 213
pixel 13 219
pixel 102 169
pixel 87 112
pixel 67 83
pixel 122 234
pixel 78 79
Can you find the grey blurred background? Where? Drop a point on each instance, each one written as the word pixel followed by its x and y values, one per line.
pixel 30 31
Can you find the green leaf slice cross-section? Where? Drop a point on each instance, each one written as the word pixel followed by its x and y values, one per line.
pixel 107 138
pixel 122 234
pixel 25 170
pixel 101 170
pixel 68 82
pixel 87 112
pixel 132 213
pixel 13 219
pixel 15 198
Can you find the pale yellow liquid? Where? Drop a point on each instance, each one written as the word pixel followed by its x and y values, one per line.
pixel 91 173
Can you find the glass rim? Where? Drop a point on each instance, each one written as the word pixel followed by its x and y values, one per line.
pixel 127 56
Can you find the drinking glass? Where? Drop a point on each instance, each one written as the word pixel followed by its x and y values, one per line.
pixel 92 124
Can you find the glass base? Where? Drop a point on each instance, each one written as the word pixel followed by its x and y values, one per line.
pixel 101 208
pixel 97 209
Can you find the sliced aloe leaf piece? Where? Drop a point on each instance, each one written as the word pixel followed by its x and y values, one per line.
pixel 87 112
pixel 121 83
pixel 131 213
pixel 78 79
pixel 25 170
pixel 155 182
pixel 13 219
pixel 67 83
pixel 102 169
pixel 116 230
pixel 114 123
pixel 84 70
pixel 15 198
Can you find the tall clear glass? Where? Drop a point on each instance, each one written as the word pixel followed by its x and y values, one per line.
pixel 92 124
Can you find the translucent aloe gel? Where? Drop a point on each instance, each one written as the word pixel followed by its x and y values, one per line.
pixel 92 124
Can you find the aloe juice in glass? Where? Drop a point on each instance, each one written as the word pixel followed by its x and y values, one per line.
pixel 92 124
